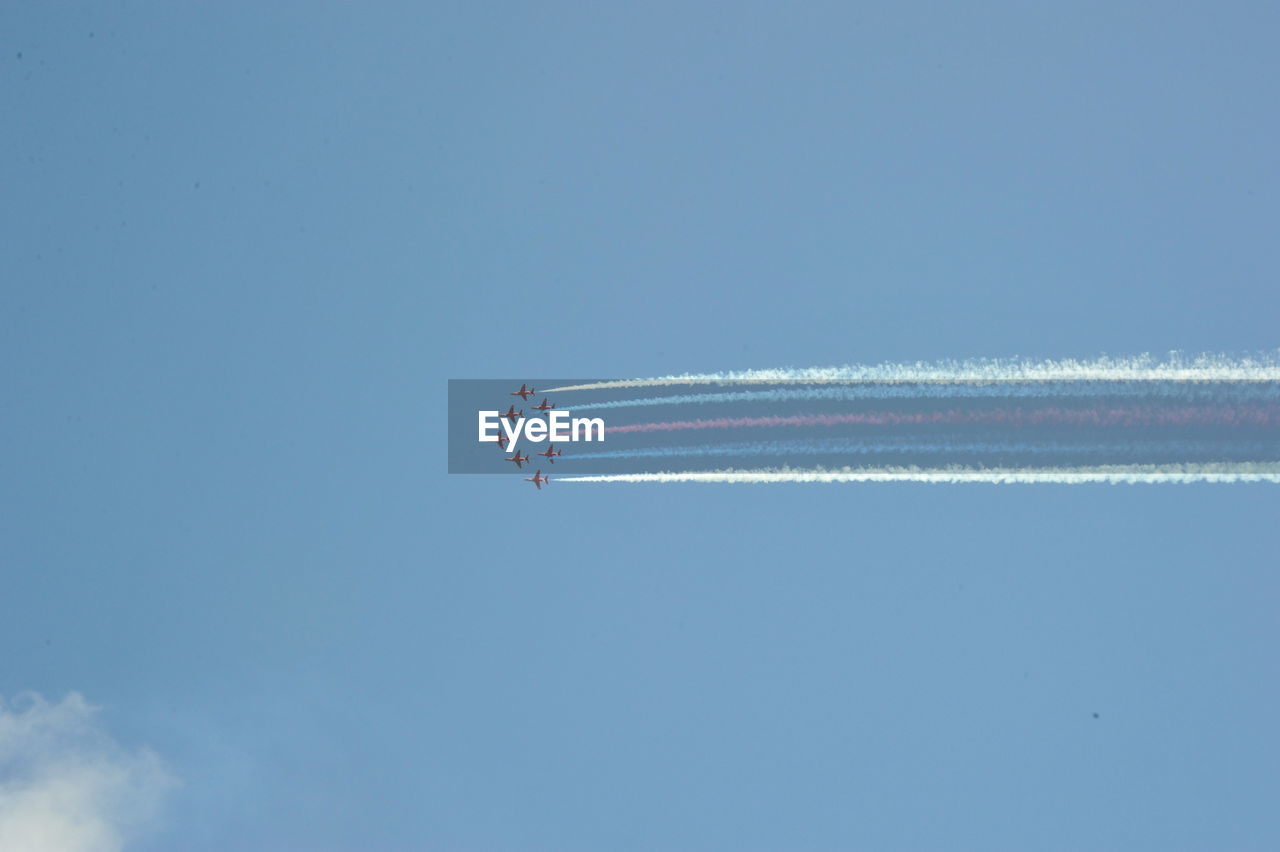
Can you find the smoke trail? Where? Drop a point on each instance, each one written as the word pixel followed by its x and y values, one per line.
pixel 1204 416
pixel 1011 390
pixel 1110 474
pixel 1144 368
pixel 1181 448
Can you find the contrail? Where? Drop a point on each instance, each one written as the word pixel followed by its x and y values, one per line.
pixel 1010 390
pixel 1110 474
pixel 908 446
pixel 1187 416
pixel 1144 368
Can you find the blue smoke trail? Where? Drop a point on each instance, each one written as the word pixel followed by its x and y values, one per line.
pixel 1241 391
pixel 1101 474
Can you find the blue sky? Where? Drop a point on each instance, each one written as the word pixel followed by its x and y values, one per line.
pixel 246 245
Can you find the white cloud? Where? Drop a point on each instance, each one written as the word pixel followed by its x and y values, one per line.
pixel 66 785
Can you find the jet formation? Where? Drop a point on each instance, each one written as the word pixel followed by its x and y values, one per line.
pixel 550 453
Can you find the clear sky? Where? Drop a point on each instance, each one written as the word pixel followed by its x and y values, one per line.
pixel 246 244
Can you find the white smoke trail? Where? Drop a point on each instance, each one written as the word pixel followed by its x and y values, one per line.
pixel 1107 474
pixel 1142 368
pixel 907 446
pixel 1008 390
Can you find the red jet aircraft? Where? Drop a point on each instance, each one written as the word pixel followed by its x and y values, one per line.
pixel 537 479
pixel 519 461
pixel 511 414
pixel 544 406
pixel 524 393
pixel 502 442
pixel 551 452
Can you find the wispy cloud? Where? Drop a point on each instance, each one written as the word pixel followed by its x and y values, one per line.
pixel 66 785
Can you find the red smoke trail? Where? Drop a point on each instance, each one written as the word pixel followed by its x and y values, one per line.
pixel 1188 416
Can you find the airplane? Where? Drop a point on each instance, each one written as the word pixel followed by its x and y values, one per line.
pixel 551 452
pixel 519 461
pixel 544 406
pixel 511 414
pixel 524 393
pixel 537 479
pixel 503 441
